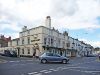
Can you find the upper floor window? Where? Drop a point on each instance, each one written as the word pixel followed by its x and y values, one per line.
pixel 68 44
pixel 48 40
pixel 17 42
pixel 23 34
pixel 35 36
pixel 28 40
pixel 28 32
pixel 22 40
pixel 59 42
pixel 51 41
pixel 63 44
pixel 45 39
pixel 73 44
pixel 76 44
pixel 11 43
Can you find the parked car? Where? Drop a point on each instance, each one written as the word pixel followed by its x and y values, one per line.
pixel 9 53
pixel 99 56
pixel 51 57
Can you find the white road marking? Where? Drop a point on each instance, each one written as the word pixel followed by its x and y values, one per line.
pixel 69 67
pixel 58 68
pixel 81 71
pixel 32 73
pixel 20 60
pixel 55 70
pixel 64 68
pixel 43 70
pixel 51 69
pixel 82 63
pixel 48 72
pixel 11 61
pixel 78 67
pixel 93 71
pixel 14 61
pixel 38 74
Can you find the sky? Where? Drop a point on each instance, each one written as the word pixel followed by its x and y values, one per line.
pixel 81 18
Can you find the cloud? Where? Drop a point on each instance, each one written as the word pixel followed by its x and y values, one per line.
pixel 75 24
pixel 71 14
pixel 8 21
pixel 64 7
pixel 93 43
pixel 30 10
pixel 84 14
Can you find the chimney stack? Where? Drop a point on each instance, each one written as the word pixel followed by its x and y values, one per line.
pixel 24 28
pixel 48 22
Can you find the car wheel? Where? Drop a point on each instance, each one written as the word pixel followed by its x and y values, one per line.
pixel 43 61
pixel 64 61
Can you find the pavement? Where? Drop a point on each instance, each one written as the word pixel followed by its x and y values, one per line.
pixel 30 66
pixel 98 59
pixel 2 61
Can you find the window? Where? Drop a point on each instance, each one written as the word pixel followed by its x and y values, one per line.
pixel 59 42
pixel 23 51
pixel 68 45
pixel 45 39
pixel 48 40
pixel 76 44
pixel 23 41
pixel 49 54
pixel 63 44
pixel 28 39
pixel 56 55
pixel 28 52
pixel 17 42
pixel 28 32
pixel 35 36
pixel 51 41
pixel 68 52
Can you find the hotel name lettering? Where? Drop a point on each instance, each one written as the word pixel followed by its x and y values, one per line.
pixel 35 40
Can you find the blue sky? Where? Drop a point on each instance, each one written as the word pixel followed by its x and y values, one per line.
pixel 81 18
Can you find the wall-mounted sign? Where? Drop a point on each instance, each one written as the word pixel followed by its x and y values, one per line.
pixel 35 40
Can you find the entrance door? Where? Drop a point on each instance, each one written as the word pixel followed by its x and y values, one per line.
pixel 73 54
pixel 18 51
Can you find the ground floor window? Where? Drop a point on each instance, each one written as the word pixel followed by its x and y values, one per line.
pixel 67 52
pixel 23 51
pixel 28 52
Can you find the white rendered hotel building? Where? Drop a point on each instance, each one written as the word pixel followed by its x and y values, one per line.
pixel 46 39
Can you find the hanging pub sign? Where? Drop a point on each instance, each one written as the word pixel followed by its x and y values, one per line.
pixel 35 40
